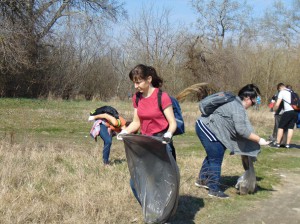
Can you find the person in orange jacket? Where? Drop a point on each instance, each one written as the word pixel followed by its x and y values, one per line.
pixel 106 126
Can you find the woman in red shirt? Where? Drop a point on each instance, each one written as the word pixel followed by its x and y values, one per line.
pixel 147 115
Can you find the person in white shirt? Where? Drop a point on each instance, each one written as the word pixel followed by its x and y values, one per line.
pixel 289 117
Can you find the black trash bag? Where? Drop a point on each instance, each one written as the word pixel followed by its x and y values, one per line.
pixel 155 176
pixel 246 184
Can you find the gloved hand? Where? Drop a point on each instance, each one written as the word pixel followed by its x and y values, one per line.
pixel 167 137
pixel 263 142
pixel 91 118
pixel 123 132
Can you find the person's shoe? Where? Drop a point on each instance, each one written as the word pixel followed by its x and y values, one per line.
pixel 287 146
pixel 218 194
pixel 201 183
pixel 276 145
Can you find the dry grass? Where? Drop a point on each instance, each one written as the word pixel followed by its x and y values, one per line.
pixel 62 183
pixel 56 183
pixel 52 173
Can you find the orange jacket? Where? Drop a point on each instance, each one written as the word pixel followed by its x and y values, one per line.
pixel 112 123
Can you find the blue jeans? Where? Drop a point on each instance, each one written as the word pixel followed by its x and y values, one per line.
pixel 107 140
pixel 211 166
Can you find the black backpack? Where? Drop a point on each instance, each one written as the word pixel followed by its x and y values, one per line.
pixel 106 110
pixel 176 109
pixel 295 100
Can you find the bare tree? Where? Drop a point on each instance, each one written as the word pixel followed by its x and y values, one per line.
pixel 219 67
pixel 152 36
pixel 84 45
pixel 155 41
pixel 281 24
pixel 120 63
pixel 26 28
pixel 222 20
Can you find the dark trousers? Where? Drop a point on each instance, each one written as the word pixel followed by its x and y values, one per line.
pixel 277 118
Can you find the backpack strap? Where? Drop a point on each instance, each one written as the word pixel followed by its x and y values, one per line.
pixel 137 98
pixel 290 91
pixel 159 94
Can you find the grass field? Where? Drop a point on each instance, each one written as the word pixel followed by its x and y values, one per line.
pixel 51 169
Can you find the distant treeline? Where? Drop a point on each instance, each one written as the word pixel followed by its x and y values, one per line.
pixel 66 49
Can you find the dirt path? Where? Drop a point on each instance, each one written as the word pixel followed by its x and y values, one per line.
pixel 283 207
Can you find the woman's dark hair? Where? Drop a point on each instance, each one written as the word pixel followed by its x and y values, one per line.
pixel 143 72
pixel 249 90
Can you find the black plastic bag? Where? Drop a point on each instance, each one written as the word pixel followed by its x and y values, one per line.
pixel 155 176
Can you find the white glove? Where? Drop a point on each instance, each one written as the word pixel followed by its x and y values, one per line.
pixel 91 118
pixel 263 142
pixel 119 136
pixel 167 137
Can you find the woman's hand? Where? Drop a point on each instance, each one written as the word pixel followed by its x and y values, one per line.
pixel 123 132
pixel 167 137
pixel 262 141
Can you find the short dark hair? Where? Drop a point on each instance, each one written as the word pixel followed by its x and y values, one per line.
pixel 249 90
pixel 279 85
